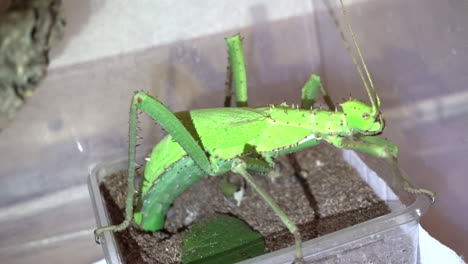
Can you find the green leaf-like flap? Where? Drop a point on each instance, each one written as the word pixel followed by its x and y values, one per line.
pixel 221 239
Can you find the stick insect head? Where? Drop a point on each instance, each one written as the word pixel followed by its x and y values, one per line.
pixel 362 118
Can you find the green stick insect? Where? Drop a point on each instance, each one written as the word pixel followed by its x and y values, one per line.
pixel 243 140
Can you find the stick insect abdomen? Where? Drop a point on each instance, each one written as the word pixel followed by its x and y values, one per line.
pixel 168 186
pixel 155 202
pixel 164 155
pixel 168 173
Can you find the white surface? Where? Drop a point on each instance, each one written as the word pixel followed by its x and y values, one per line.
pixel 102 261
pixel 434 252
pixel 119 26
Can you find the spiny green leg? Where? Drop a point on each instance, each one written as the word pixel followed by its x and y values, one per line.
pixel 382 148
pixel 254 164
pixel 228 88
pixel 167 120
pixel 237 66
pixel 374 146
pixel 393 161
pixel 309 93
pixel 174 127
pixel 131 175
pixel 240 166
pixel 406 184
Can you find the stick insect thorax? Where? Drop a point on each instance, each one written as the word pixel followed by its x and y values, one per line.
pixel 356 118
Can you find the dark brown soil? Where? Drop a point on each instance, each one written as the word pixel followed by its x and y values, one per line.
pixel 330 197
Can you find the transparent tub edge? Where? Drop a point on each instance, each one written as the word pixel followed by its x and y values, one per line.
pixel 107 239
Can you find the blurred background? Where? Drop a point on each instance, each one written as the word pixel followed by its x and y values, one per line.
pixel 417 52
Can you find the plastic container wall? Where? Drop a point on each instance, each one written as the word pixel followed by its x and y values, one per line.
pixel 79 116
pixel 417 54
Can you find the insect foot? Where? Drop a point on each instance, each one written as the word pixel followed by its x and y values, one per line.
pixel 276 172
pixel 432 195
pixel 112 228
pixel 234 188
pixel 97 238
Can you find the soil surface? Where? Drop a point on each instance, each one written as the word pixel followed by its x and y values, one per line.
pixel 318 190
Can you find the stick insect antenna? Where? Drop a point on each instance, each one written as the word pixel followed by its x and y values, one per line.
pixel 367 82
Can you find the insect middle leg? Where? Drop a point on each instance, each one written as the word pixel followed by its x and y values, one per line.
pixel 310 90
pixel 240 166
pixel 308 98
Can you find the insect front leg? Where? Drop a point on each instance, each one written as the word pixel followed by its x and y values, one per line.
pixel 240 166
pixel 236 71
pixel 381 148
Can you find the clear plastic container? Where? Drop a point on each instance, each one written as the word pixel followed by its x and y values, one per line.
pixel 391 238
pixel 79 115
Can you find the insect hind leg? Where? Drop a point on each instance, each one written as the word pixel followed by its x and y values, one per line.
pixel 167 120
